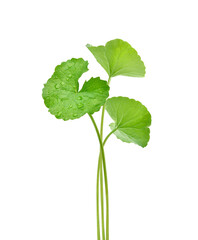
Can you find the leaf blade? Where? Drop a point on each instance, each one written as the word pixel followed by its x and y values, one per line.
pixel 117 57
pixel 131 119
pixel 62 96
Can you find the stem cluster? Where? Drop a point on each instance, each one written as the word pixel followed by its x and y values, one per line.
pixel 102 172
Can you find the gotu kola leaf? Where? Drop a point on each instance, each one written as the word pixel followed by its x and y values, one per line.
pixel 131 120
pixel 117 57
pixel 62 96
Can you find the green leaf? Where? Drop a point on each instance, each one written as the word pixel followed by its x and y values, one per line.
pixel 117 57
pixel 131 120
pixel 62 96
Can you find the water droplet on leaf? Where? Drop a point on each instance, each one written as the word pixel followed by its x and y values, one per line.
pixel 80 105
pixel 57 86
pixel 75 115
pixel 79 98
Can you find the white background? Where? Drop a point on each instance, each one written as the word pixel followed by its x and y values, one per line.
pixel 48 166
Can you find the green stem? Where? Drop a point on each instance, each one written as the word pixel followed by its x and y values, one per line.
pixel 107 197
pixel 97 201
pixel 101 177
pixel 109 135
pixel 105 173
pixel 99 164
pixel 102 197
pixel 101 167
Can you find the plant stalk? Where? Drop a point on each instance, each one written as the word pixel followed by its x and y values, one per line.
pixel 102 158
pixel 101 176
pixel 107 137
pixel 99 182
pixel 103 169
pixel 97 201
pixel 101 195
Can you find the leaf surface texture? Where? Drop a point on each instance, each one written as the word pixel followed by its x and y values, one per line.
pixel 117 57
pixel 62 96
pixel 131 120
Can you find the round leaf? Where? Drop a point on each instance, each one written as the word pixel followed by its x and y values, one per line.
pixel 131 120
pixel 117 57
pixel 62 96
